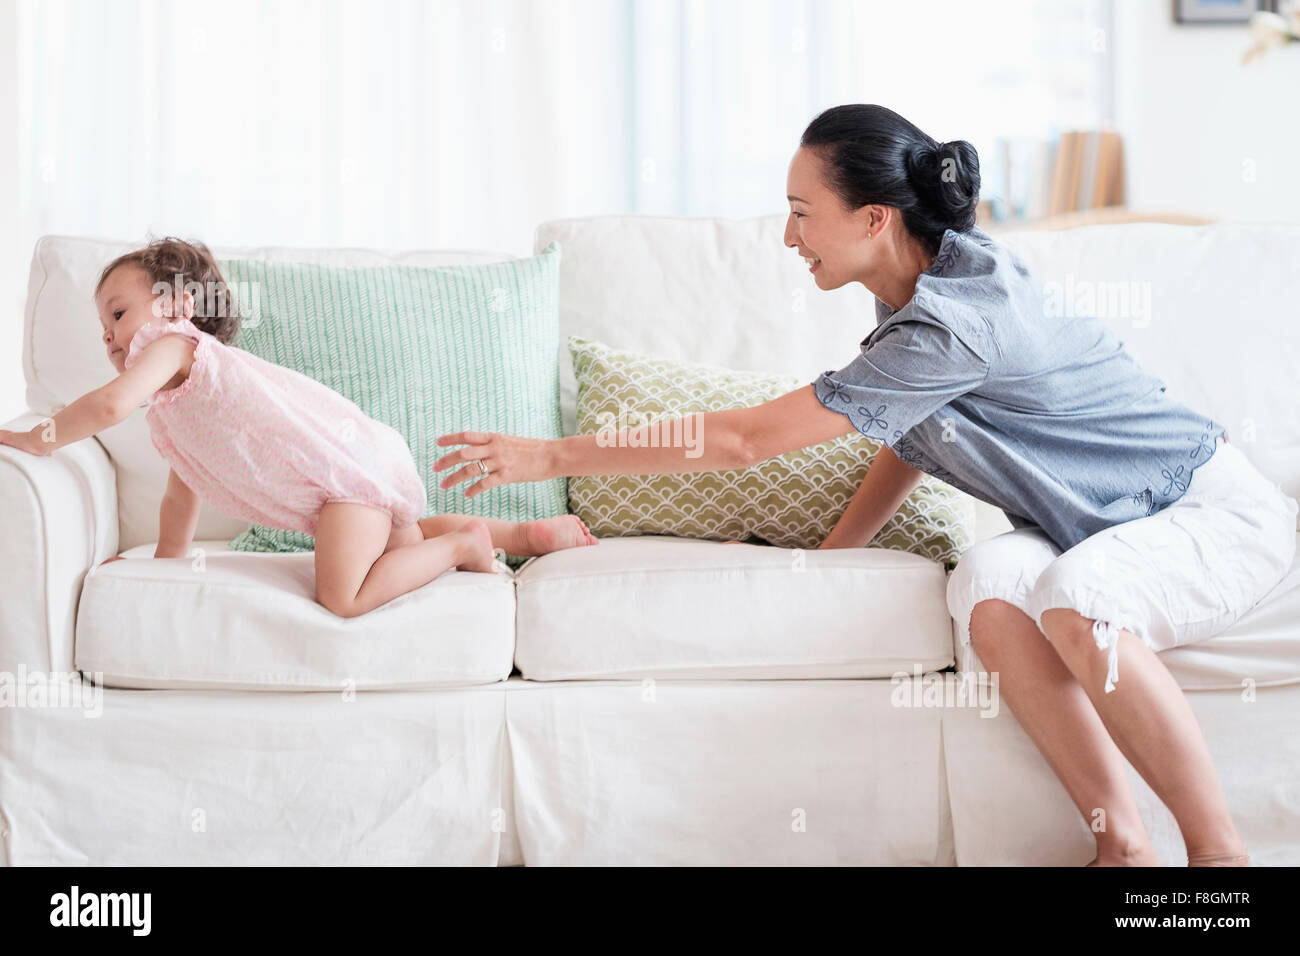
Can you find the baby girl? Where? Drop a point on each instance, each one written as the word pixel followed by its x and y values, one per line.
pixel 269 445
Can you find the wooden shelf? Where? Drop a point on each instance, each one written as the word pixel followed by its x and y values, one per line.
pixel 1107 215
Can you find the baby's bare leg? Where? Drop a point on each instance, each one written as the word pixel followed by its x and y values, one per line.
pixel 523 538
pixel 507 535
pixel 354 572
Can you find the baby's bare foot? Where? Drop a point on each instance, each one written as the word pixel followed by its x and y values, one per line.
pixel 474 547
pixel 554 534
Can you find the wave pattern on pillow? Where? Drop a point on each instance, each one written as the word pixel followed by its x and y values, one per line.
pixel 792 501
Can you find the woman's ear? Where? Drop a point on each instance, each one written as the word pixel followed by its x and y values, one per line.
pixel 187 305
pixel 877 218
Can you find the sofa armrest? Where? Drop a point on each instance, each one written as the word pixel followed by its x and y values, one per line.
pixel 59 521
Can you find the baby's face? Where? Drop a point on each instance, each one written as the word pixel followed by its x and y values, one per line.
pixel 126 301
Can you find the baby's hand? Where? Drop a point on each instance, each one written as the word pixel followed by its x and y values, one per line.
pixel 24 441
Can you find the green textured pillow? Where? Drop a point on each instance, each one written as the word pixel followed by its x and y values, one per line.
pixel 425 350
pixel 792 501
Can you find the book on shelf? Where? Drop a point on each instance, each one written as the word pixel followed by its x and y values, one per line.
pixel 1075 170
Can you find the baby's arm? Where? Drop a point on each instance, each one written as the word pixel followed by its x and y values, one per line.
pixel 158 364
pixel 177 518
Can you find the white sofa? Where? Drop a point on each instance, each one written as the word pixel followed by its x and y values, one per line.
pixel 649 700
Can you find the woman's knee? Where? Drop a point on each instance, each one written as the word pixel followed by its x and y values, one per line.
pixel 1063 586
pixel 994 618
pixel 983 561
pixel 999 571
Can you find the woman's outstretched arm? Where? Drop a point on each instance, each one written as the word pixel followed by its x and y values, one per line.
pixel 705 441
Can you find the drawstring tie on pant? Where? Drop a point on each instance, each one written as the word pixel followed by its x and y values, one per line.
pixel 1106 634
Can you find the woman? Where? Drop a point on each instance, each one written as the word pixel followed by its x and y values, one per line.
pixel 1135 527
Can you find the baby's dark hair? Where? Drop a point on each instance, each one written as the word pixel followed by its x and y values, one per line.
pixel 187 266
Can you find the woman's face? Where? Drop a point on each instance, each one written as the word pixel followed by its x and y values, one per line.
pixel 822 229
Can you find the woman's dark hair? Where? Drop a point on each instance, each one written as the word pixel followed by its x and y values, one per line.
pixel 874 156
pixel 187 266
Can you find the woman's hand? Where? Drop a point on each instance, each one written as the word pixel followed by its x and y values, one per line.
pixel 508 459
pixel 25 441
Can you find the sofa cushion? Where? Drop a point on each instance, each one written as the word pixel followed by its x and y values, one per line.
pixel 725 292
pixel 790 501
pixel 1261 649
pixel 655 606
pixel 227 619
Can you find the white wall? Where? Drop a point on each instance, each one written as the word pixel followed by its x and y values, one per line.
pixel 1204 133
pixel 13 260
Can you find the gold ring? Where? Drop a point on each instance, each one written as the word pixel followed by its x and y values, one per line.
pixel 481 467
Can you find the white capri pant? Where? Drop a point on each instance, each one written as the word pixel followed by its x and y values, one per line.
pixel 1175 577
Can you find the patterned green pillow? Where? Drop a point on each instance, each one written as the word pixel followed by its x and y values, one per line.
pixel 425 350
pixel 792 501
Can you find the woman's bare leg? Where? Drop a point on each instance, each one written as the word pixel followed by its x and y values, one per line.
pixel 1150 718
pixel 356 570
pixel 520 538
pixel 1054 711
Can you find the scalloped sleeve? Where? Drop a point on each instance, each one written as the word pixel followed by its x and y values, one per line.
pixel 908 372
pixel 152 332
pixel 146 335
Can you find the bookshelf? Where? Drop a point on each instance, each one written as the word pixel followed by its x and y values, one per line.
pixel 1075 178
pixel 1073 172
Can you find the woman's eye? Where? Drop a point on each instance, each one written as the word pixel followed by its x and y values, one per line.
pixel 798 215
pixel 117 315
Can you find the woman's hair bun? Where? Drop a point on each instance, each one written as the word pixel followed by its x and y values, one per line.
pixel 946 177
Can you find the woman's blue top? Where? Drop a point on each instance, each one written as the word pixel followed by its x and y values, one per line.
pixel 978 381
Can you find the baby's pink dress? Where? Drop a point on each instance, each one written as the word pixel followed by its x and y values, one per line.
pixel 267 444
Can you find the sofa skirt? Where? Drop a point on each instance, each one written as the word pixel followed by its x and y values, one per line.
pixel 783 772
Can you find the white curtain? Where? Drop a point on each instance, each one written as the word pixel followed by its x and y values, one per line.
pixel 406 124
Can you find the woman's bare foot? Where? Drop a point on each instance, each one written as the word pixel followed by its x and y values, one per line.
pixel 474 547
pixel 555 534
pixel 1141 855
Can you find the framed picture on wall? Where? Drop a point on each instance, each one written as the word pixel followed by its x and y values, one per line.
pixel 1218 11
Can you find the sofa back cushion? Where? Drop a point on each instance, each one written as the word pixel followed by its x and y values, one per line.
pixel 1207 308
pixel 63 357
